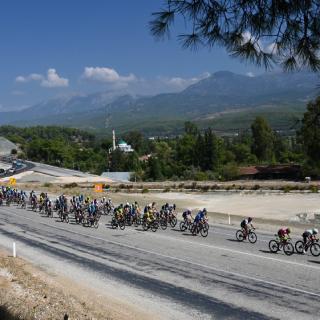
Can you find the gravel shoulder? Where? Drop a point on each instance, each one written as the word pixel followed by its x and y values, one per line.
pixel 27 292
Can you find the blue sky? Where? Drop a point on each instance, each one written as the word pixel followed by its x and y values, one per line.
pixel 54 48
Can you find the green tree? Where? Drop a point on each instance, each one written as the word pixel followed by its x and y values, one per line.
pixel 191 128
pixel 309 133
pixel 154 169
pixel 264 32
pixel 263 139
pixel 135 139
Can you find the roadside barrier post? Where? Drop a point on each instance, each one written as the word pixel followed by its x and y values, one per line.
pixel 229 219
pixel 14 253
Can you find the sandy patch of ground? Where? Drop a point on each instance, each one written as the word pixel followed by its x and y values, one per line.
pixel 29 293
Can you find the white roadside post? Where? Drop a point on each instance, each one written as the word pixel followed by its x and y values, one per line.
pixel 229 219
pixel 14 254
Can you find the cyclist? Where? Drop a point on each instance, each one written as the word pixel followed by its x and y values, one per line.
pixel 187 216
pixel 309 235
pixel 245 225
pixel 201 215
pixel 284 233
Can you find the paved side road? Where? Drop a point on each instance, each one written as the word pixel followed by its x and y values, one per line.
pixel 172 274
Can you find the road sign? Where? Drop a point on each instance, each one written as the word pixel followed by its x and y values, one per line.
pixel 98 187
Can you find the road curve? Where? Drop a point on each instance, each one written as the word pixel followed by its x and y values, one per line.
pixel 172 274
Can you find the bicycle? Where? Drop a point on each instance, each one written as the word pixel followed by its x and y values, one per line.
pixel 185 224
pixel 242 235
pixel 199 227
pixel 311 245
pixel 278 244
pixel 153 225
pixel 115 223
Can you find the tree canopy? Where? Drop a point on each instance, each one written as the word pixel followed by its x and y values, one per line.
pixel 265 32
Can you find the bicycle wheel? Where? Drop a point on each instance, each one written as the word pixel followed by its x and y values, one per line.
pixel 288 248
pixel 96 224
pixel 122 225
pixel 163 224
pixel 273 246
pixel 183 226
pixel 67 219
pixel 173 221
pixel 315 249
pixel 145 226
pixel 204 232
pixel 154 226
pixel 239 235
pixel 252 237
pixel 299 246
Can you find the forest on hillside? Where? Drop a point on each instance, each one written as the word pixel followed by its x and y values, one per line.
pixel 194 155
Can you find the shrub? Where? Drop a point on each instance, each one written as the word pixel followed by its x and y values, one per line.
pixel 167 189
pixel 286 189
pixel 47 185
pixel 70 185
pixel 205 188
pixel 230 171
pixel 145 190
pixel 314 189
pixel 201 176
pixel 256 187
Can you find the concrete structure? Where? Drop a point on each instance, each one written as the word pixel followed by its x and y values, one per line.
pixel 117 176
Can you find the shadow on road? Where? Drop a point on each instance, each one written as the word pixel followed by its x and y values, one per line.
pixel 266 251
pixel 234 240
pixel 314 261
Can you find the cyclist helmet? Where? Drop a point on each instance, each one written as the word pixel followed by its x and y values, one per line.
pixel 249 219
pixel 288 230
pixel 315 231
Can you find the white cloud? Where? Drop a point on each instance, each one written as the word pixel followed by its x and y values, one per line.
pixel 107 75
pixel 52 80
pixel 250 74
pixel 21 79
pixel 179 83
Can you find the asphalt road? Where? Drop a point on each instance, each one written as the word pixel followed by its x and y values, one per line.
pixel 171 274
pixel 57 171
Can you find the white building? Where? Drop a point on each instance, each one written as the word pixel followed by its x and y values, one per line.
pixel 122 145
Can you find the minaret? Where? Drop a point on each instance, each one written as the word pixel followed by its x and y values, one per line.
pixel 113 140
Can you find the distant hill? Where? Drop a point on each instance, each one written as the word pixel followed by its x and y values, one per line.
pixel 220 100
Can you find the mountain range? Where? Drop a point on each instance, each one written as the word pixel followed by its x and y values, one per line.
pixel 225 100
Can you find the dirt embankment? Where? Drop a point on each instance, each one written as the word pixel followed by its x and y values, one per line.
pixel 28 293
